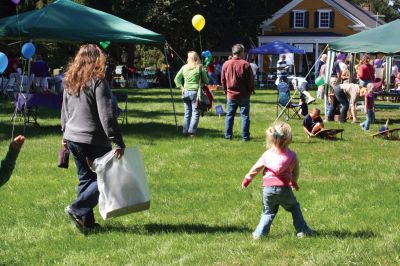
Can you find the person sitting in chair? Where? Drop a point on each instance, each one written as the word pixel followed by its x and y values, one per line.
pixel 313 123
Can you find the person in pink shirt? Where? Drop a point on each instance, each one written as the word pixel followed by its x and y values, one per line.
pixel 280 173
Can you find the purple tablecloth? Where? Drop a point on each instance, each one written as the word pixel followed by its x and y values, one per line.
pixel 37 99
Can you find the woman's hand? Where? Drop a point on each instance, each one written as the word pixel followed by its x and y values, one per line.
pixel 64 144
pixel 119 153
pixel 16 144
pixel 183 91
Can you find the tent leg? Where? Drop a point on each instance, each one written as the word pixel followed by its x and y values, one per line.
pixel 170 85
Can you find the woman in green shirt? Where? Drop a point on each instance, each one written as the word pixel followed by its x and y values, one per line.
pixel 188 80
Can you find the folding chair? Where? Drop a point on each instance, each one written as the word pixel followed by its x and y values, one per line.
pixel 122 97
pixel 284 103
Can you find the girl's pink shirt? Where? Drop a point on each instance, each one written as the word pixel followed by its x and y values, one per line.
pixel 278 167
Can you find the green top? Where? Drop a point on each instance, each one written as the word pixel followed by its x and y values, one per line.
pixel 189 78
pixel 7 165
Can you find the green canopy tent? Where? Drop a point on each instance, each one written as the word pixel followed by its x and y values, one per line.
pixel 383 39
pixel 65 20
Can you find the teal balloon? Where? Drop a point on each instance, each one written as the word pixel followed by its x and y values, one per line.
pixel 319 81
pixel 28 50
pixel 3 62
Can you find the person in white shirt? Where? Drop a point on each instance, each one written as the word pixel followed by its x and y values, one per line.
pixel 281 68
pixel 301 84
pixel 254 68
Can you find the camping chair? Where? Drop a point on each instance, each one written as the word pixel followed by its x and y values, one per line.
pixel 284 103
pixel 122 97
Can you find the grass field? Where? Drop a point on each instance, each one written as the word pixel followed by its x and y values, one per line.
pixel 349 193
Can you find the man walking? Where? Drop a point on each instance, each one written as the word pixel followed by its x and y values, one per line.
pixel 238 83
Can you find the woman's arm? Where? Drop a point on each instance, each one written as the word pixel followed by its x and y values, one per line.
pixel 179 79
pixel 106 113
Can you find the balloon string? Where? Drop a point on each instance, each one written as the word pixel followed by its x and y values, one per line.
pixel 20 85
pixel 201 47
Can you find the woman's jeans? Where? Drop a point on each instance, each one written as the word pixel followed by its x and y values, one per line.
pixel 192 116
pixel 339 98
pixel 232 106
pixel 272 198
pixel 88 194
pixel 369 118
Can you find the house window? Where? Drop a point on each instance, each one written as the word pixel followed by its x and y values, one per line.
pixel 324 19
pixel 299 19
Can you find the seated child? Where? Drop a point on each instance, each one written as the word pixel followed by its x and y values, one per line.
pixel 280 173
pixel 312 123
pixel 8 164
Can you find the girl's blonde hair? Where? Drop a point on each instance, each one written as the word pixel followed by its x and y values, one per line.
pixel 88 64
pixel 193 60
pixel 279 135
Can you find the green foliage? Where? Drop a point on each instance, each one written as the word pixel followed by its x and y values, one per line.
pixel 349 193
pixel 146 56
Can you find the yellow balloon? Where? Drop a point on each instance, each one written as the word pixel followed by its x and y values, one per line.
pixel 198 22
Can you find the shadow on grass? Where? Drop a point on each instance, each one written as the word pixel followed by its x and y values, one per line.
pixel 153 229
pixel 391 121
pixel 342 234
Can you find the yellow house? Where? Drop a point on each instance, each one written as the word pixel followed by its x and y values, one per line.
pixel 311 24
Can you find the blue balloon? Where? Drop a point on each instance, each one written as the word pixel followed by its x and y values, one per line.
pixel 206 54
pixel 3 62
pixel 28 50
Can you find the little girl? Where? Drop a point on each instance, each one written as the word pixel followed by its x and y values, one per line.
pixel 280 174
pixel 369 107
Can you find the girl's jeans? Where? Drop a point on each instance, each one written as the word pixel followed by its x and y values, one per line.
pixel 369 119
pixel 272 198
pixel 191 118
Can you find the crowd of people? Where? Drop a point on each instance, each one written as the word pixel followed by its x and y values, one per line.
pixel 89 125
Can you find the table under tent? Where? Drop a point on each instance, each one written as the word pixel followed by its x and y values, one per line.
pixel 276 48
pixel 380 40
pixel 67 21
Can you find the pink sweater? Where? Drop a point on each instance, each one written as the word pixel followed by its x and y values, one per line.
pixel 280 168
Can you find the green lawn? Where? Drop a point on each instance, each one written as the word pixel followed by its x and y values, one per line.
pixel 349 193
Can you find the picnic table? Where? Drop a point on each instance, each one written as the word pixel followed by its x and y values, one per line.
pixel 27 104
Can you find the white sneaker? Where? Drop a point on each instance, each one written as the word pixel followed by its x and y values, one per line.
pixel 255 236
pixel 305 233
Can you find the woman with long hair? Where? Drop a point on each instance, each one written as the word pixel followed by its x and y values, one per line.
pixel 366 73
pixel 89 126
pixel 188 80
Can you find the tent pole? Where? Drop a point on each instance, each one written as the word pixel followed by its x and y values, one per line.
pixel 170 84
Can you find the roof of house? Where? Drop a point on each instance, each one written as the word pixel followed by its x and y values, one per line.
pixel 360 17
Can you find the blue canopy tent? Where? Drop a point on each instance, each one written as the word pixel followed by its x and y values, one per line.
pixel 276 48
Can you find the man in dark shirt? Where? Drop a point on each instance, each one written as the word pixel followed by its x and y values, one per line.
pixel 237 81
pixel 313 123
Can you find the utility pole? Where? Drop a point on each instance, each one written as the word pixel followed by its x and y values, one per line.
pixel 377 16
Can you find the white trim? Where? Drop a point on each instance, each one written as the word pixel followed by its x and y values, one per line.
pixel 280 13
pixel 297 39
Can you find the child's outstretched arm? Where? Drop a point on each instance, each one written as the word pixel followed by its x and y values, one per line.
pixel 8 164
pixel 257 167
pixel 295 177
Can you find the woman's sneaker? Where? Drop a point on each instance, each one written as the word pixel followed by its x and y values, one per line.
pixel 306 233
pixel 255 236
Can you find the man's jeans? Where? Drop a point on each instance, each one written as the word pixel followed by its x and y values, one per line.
pixel 272 198
pixel 88 193
pixel 369 119
pixel 191 118
pixel 340 97
pixel 232 106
